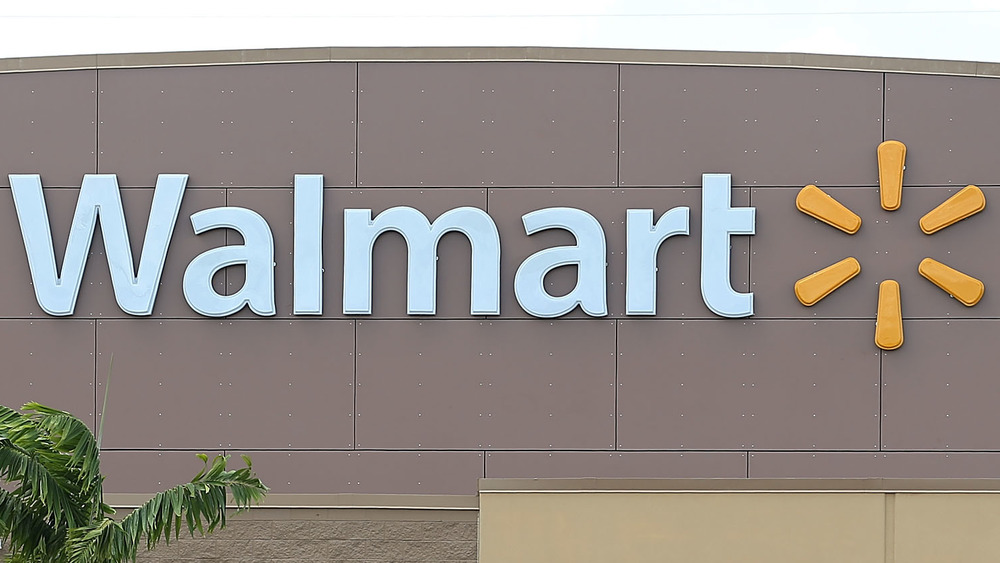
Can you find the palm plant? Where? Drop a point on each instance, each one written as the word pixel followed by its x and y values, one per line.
pixel 53 509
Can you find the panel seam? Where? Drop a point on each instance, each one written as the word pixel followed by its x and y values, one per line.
pixel 750 246
pixel 881 385
pixel 97 122
pixel 357 123
pixel 883 106
pixel 225 233
pixel 97 369
pixel 616 414
pixel 618 148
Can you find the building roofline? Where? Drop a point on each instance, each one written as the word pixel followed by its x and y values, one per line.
pixel 740 485
pixel 506 54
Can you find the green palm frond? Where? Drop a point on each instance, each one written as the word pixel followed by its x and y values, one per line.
pixel 104 541
pixel 41 480
pixel 24 528
pixel 200 504
pixel 71 436
pixel 55 510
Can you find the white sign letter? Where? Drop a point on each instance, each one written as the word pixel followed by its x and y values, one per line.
pixel 422 238
pixel 643 243
pixel 718 222
pixel 308 244
pixel 99 197
pixel 257 253
pixel 589 257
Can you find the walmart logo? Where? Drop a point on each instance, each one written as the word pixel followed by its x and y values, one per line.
pixel 889 317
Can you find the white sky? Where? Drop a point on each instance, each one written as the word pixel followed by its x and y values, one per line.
pixel 960 29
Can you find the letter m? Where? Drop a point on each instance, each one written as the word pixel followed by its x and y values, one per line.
pixel 57 291
pixel 422 237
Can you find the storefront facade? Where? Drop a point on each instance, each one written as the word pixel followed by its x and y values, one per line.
pixel 589 271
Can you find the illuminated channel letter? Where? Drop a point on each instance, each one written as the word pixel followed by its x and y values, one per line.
pixel 99 197
pixel 643 243
pixel 589 257
pixel 422 237
pixel 308 243
pixel 257 253
pixel 719 221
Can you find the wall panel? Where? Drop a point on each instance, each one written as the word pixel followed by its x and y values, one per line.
pixel 486 384
pixel 765 126
pixel 200 384
pixel 48 119
pixel 243 125
pixel 501 124
pixel 861 465
pixel 941 392
pixel 949 126
pixel 641 465
pixel 49 362
pixel 151 472
pixel 744 384
pixel 363 472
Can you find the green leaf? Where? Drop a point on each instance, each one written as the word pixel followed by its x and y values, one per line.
pixel 52 509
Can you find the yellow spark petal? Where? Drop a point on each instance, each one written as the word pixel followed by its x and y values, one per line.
pixel 961 286
pixel 966 203
pixel 816 203
pixel 889 320
pixel 891 162
pixel 814 287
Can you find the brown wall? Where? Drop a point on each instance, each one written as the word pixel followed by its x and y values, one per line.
pixel 390 404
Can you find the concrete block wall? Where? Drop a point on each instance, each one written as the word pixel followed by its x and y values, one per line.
pixel 324 536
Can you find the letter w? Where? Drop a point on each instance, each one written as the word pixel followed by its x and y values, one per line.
pixel 99 197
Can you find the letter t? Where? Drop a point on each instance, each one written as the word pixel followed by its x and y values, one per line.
pixel 718 222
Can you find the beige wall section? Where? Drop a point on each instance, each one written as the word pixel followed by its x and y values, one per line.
pixel 947 527
pixel 858 520
pixel 629 526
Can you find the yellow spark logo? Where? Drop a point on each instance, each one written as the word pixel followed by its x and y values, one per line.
pixel 889 316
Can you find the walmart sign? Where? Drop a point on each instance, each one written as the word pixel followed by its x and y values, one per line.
pixel 56 289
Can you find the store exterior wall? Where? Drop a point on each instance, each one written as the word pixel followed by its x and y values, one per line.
pixel 863 520
pixel 391 403
pixel 333 535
